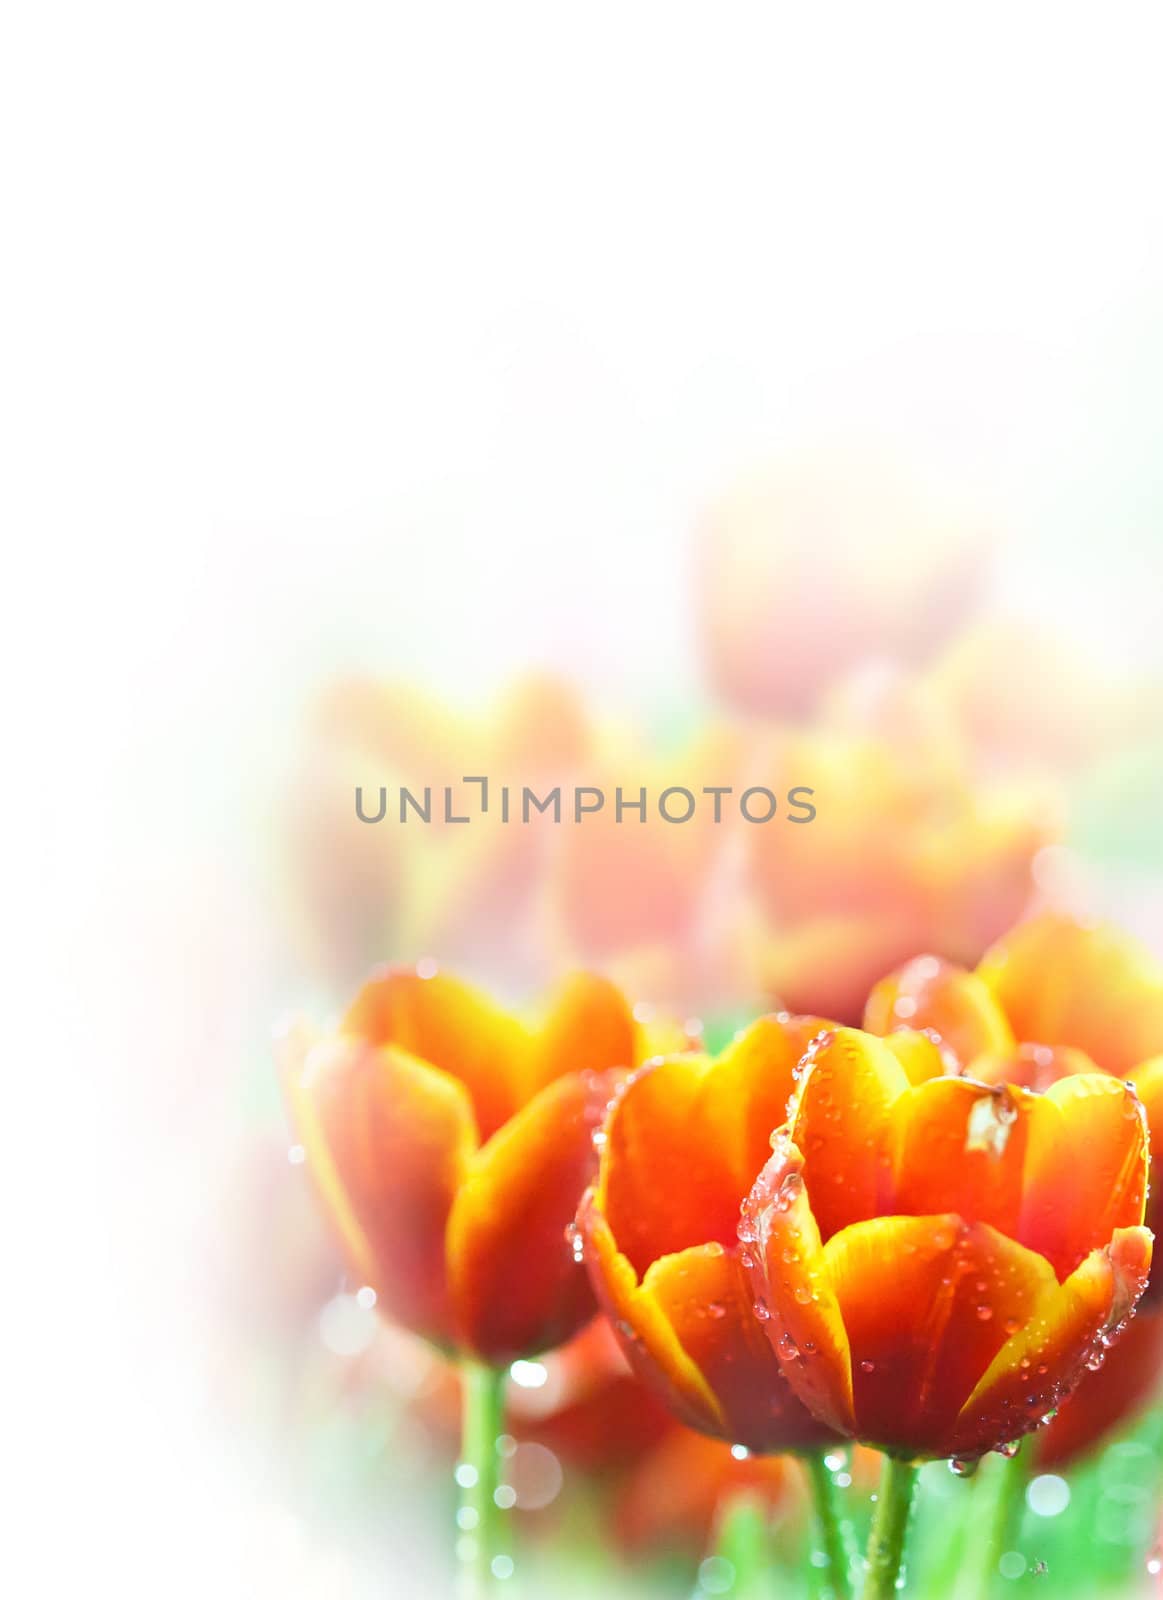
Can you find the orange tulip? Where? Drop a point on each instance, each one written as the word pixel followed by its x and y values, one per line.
pixel 1064 982
pixel 908 851
pixel 1130 1377
pixel 451 1143
pixel 938 1262
pixel 1056 997
pixel 930 993
pixel 683 1143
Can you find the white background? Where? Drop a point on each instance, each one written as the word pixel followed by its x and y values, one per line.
pixel 415 336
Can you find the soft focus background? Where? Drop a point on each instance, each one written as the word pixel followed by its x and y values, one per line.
pixel 635 389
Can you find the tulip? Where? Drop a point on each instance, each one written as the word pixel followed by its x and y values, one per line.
pixel 1130 1376
pixel 683 1143
pixel 681 1147
pixel 938 1262
pixel 1063 982
pixel 450 1143
pixel 908 851
pixel 928 992
pixel 1054 997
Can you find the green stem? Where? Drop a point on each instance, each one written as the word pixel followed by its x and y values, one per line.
pixel 1003 1485
pixel 838 1583
pixel 741 1538
pixel 886 1542
pixel 481 1542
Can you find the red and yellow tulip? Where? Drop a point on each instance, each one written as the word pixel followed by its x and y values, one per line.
pixel 1057 996
pixel 451 1142
pixel 908 851
pixel 937 1262
pixel 683 1143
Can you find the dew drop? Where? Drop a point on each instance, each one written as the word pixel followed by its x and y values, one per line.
pixel 1048 1495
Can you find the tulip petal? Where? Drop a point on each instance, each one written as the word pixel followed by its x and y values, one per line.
pixel 705 1295
pixel 922 1336
pixel 923 1056
pixel 590 1028
pixel 930 993
pixel 748 1093
pixel 839 1124
pixel 688 1136
pixel 647 1338
pixel 1148 1082
pixel 784 1257
pixel 956 1145
pixel 516 1285
pixel 691 1333
pixel 1063 982
pixel 388 1140
pixel 664 1185
pixel 445 1022
pixel 1086 1168
pixel 1042 1363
